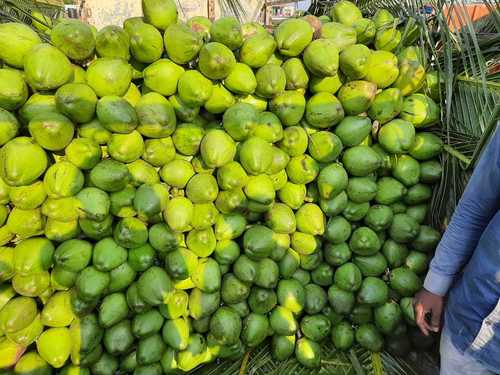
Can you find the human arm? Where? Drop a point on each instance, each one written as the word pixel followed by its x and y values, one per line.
pixel 479 203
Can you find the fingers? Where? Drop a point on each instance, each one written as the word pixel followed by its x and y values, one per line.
pixel 420 319
pixel 436 318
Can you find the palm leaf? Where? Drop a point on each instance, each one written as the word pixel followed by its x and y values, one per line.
pixel 397 7
pixel 233 8
pixel 357 361
pixel 470 99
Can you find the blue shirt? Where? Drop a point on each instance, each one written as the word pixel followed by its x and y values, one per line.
pixel 466 265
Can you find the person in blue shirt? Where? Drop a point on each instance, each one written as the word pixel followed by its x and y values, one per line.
pixel 464 276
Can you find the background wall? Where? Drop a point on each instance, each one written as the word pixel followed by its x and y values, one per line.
pixel 114 12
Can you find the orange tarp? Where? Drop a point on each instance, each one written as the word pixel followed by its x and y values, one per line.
pixel 457 14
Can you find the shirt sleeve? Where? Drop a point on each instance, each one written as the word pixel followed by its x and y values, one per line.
pixel 479 203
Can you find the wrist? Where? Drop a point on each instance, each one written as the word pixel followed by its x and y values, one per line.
pixel 437 284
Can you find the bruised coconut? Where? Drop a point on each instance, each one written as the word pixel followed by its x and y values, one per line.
pixel 420 110
pixel 200 25
pixel 411 77
pixel 357 96
pixel 75 38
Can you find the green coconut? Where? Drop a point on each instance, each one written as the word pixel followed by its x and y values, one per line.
pixel 109 76
pixel 321 57
pixel 9 126
pixel 420 110
pixel 146 42
pixel 397 136
pixel 216 60
pixel 354 60
pixel 383 19
pixel 36 105
pixel 75 38
pixel 76 101
pixel 47 68
pixel 257 50
pixel 289 107
pixel 382 68
pixel 292 36
pixel 345 12
pixel 296 74
pixel 200 25
pixel 194 89
pixel 365 30
pixel 220 100
pixel 341 35
pixel 132 22
pixel 241 80
pixel 52 131
pixel 182 43
pixel 227 30
pixel 160 13
pixel 16 171
pixel 116 114
pixel 162 76
pixel 411 77
pixel 271 81
pixel 13 89
pixel 357 96
pixel 156 116
pixel 16 40
pixel 113 42
pixel 326 84
pixel 387 39
pixel 324 110
pixel 250 29
pixel 386 105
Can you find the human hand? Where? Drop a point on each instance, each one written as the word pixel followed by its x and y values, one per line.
pixel 426 303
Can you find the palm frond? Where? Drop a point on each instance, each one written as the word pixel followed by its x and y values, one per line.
pixel 357 361
pixel 233 8
pixel 397 7
pixel 369 7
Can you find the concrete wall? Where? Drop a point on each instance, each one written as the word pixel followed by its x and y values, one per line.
pixel 101 13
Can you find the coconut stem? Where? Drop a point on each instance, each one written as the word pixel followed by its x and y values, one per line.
pixel 244 363
pixel 457 154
